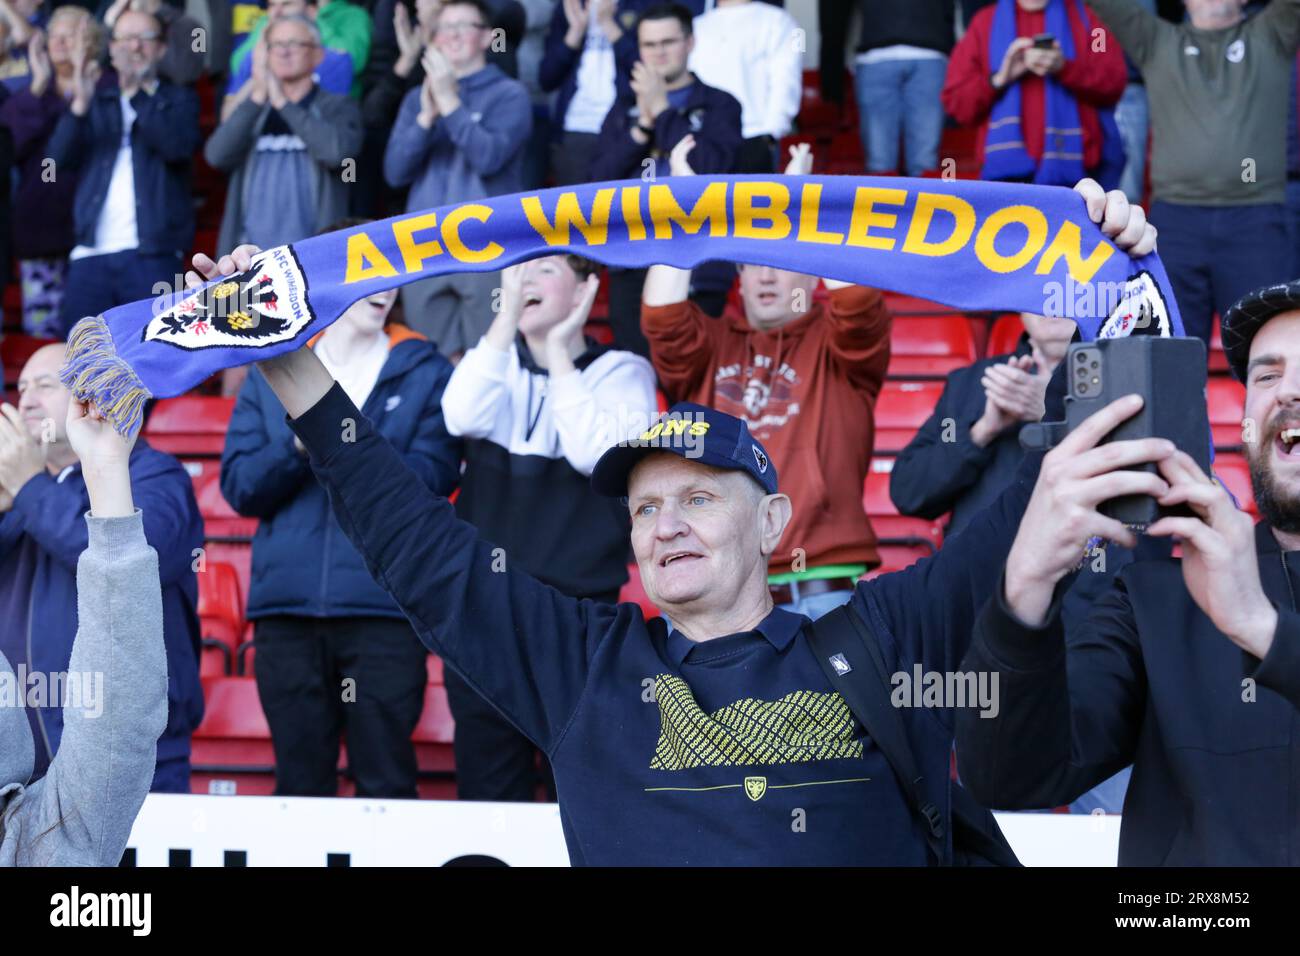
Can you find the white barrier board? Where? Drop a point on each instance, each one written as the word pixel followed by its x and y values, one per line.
pixel 309 831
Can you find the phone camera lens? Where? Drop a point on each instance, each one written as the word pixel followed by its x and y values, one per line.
pixel 1082 358
pixel 1094 364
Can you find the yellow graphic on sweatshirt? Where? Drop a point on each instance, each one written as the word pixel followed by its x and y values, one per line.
pixel 800 727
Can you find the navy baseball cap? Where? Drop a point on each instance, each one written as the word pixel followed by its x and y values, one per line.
pixel 695 432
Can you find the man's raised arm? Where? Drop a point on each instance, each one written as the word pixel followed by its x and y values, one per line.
pixel 524 646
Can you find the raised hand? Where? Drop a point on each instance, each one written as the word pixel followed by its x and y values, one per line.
pixel 801 160
pixel 1013 63
pixel 38 60
pixel 560 339
pixel 575 11
pixel 1062 515
pixel 1220 567
pixel 21 456
pixel 1124 223
pixel 442 81
pixel 677 163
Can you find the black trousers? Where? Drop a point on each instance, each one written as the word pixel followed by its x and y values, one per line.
pixel 320 677
pixel 494 761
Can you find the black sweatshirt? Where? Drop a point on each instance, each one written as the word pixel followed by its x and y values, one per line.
pixel 1213 733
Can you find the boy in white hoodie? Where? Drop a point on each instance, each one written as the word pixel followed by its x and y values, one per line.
pixel 537 402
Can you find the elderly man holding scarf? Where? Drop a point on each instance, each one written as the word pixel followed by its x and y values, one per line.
pixel 1046 108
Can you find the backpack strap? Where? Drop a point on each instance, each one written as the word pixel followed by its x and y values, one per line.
pixel 850 657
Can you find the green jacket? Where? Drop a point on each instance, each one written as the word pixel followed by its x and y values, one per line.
pixel 343 26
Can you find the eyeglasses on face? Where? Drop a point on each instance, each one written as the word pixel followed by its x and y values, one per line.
pixel 130 39
pixel 451 28
pixel 290 46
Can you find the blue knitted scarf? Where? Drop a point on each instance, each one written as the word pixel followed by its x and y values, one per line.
pixel 969 245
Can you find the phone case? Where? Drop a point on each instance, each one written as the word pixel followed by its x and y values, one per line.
pixel 1170 373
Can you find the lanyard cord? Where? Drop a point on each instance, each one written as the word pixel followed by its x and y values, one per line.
pixel 534 418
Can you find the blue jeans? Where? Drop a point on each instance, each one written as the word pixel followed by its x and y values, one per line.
pixel 94 284
pixel 901 96
pixel 1132 116
pixel 1293 224
pixel 815 605
pixel 1216 254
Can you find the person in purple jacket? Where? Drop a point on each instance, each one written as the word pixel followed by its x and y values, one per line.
pixel 42 214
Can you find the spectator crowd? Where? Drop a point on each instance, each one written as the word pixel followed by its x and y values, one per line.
pixel 493 386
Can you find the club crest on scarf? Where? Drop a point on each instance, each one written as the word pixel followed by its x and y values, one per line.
pixel 1141 310
pixel 260 307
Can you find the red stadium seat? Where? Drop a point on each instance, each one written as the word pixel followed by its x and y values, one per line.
pixel 634 593
pixel 434 733
pixel 1005 335
pixel 1226 400
pixel 192 425
pixel 215 661
pixel 900 305
pixel 219 519
pixel 232 747
pixel 15 350
pixel 896 557
pixel 889 525
pixel 1218 358
pixel 221 610
pixel 1233 472
pixel 901 409
pixel 817 116
pixel 930 346
pixel 237 554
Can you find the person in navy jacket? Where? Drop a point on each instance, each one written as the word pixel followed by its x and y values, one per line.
pixel 664 104
pixel 43 500
pixel 131 142
pixel 700 742
pixel 591 47
pixel 320 617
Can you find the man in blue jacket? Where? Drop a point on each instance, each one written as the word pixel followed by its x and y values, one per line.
pixel 43 499
pixel 322 621
pixel 131 143
pixel 591 47
pixel 717 740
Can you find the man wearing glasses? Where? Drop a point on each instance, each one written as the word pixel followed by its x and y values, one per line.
pixel 285 144
pixel 460 135
pixel 665 104
pixel 130 140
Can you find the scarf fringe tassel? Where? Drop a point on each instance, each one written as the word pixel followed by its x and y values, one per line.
pixel 93 371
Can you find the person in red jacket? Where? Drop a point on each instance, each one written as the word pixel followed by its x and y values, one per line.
pixel 1055 74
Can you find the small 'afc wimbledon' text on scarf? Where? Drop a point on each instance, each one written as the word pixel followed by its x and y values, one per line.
pixel 968 245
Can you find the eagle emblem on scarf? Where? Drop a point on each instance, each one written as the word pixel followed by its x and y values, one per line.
pixel 263 306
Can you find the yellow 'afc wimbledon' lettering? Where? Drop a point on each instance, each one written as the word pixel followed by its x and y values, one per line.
pixel 675 426
pixel 365 261
pixel 941 224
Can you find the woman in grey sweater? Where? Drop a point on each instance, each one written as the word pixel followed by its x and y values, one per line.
pixel 115 703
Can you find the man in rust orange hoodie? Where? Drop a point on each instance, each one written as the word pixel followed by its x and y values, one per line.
pixel 804 377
